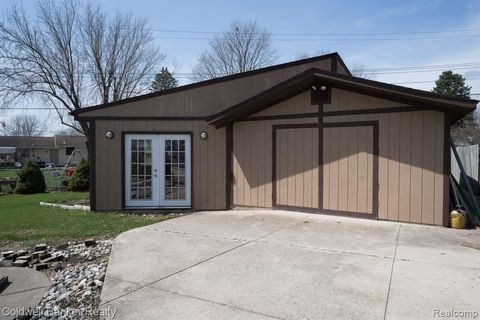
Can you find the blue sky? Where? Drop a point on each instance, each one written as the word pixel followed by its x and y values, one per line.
pixel 361 18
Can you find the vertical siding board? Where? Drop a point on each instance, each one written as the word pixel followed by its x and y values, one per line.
pixel 383 167
pixel 370 186
pixel 405 166
pixel 393 165
pixel 416 169
pixel 334 168
pixel 315 173
pixel 268 164
pixel 363 172
pixel 326 168
pixel 428 170
pixel 352 159
pixel 343 169
pixel 299 166
pixel 308 168
pixel 439 158
pixel 282 167
pixel 291 167
pixel 253 176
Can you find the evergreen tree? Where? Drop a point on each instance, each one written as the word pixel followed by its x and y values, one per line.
pixel 453 84
pixel 164 80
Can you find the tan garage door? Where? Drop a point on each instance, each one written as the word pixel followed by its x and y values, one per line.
pixel 295 167
pixel 349 170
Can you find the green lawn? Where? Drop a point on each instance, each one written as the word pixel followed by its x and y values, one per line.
pixel 8 173
pixel 22 219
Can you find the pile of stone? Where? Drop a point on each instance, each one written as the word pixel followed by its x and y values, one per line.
pixel 76 270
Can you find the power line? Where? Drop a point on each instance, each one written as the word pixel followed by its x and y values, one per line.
pixel 327 34
pixel 330 39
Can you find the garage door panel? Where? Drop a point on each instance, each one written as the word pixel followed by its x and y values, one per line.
pixel 349 163
pixel 296 167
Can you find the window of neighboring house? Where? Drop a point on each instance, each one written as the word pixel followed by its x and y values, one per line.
pixel 69 151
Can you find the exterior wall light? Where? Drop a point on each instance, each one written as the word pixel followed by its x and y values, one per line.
pixel 109 134
pixel 203 135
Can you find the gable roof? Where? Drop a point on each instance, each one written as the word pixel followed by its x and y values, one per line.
pixel 457 107
pixel 335 57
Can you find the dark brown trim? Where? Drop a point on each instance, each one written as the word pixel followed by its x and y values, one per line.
pixel 320 156
pixel 376 111
pixel 303 81
pixel 142 118
pixel 282 116
pixel 336 113
pixel 295 125
pixel 92 166
pixel 190 133
pixel 210 82
pixel 228 166
pixel 446 171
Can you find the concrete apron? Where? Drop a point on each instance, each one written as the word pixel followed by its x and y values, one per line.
pixel 25 291
pixel 287 265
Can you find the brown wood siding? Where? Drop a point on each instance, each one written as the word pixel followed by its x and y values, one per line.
pixel 348 169
pixel 410 165
pixel 252 161
pixel 346 100
pixel 207 100
pixel 208 161
pixel 297 167
pixel 298 104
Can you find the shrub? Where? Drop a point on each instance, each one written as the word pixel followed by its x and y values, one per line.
pixel 81 178
pixel 30 180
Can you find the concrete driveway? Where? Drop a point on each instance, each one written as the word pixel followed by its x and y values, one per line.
pixel 288 265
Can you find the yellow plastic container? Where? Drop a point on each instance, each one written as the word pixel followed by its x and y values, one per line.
pixel 458 219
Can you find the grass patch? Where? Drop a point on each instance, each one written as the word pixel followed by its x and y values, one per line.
pixel 8 173
pixel 24 220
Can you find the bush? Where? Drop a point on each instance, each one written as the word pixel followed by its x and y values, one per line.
pixel 81 178
pixel 30 180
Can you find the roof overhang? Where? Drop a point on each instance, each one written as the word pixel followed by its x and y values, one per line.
pixel 456 107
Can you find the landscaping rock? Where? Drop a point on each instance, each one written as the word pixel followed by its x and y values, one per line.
pixel 90 242
pixel 41 247
pixel 41 266
pixel 53 259
pixel 77 273
pixel 21 253
pixel 9 255
pixel 25 257
pixel 20 263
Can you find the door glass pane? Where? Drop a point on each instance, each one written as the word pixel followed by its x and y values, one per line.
pixel 141 169
pixel 174 170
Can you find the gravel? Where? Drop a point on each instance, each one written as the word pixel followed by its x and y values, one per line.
pixel 77 282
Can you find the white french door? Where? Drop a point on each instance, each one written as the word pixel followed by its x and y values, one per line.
pixel 157 170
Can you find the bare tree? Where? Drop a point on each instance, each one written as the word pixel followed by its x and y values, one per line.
pixel 24 126
pixel 244 47
pixel 120 54
pixel 361 71
pixel 71 58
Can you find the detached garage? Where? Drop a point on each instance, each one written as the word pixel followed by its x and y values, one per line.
pixel 304 135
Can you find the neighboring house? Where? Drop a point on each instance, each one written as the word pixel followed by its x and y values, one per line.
pixel 43 150
pixel 304 135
